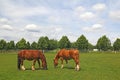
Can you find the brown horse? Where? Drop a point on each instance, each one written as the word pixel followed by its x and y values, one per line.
pixel 30 55
pixel 64 54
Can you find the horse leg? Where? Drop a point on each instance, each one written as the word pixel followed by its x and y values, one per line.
pixel 62 63
pixel 66 61
pixel 33 65
pixel 77 68
pixel 38 62
pixel 23 68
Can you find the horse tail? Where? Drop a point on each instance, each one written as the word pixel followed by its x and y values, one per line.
pixel 19 62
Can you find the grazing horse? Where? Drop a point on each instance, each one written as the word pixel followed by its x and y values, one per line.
pixel 30 55
pixel 64 54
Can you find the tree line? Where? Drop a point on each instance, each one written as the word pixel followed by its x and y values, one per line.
pixel 44 43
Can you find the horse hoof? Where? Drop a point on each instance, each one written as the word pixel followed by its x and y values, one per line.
pixel 33 69
pixel 77 69
pixel 62 66
pixel 23 69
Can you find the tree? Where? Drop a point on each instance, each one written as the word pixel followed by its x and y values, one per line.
pixel 21 44
pixel 34 45
pixel 53 44
pixel 73 45
pixel 90 46
pixel 10 45
pixel 116 45
pixel 28 45
pixel 47 40
pixel 43 43
pixel 103 43
pixel 7 45
pixel 2 44
pixel 64 42
pixel 82 43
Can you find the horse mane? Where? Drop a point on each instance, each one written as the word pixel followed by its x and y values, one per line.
pixel 57 55
pixel 43 58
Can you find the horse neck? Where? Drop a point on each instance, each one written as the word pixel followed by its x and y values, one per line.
pixel 43 59
pixel 57 57
pixel 44 63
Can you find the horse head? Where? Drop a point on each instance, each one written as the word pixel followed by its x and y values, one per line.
pixel 55 62
pixel 44 65
pixel 43 59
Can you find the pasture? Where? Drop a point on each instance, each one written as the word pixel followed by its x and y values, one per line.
pixel 94 66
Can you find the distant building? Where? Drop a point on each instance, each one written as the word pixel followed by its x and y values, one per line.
pixel 95 50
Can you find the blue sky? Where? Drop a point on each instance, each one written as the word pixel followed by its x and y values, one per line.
pixel 31 19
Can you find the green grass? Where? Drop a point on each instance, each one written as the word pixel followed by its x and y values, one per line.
pixel 94 66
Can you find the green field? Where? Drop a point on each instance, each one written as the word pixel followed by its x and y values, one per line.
pixel 94 66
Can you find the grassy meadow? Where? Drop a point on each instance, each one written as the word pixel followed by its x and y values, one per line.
pixel 94 66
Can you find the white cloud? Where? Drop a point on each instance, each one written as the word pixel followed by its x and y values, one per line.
pixel 53 32
pixel 4 20
pixel 99 7
pixel 94 27
pixel 79 9
pixel 87 16
pixel 97 26
pixel 24 12
pixel 54 19
pixel 115 15
pixel 32 28
pixel 6 27
pixel 13 10
pixel 58 29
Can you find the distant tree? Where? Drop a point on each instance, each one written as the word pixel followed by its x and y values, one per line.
pixel 73 45
pixel 82 43
pixel 47 40
pixel 28 45
pixel 34 45
pixel 21 44
pixel 90 46
pixel 103 43
pixel 43 43
pixel 7 46
pixel 2 44
pixel 53 44
pixel 116 45
pixel 64 42
pixel 10 45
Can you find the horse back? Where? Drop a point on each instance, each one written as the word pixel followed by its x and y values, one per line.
pixel 69 54
pixel 63 53
pixel 74 52
pixel 29 54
